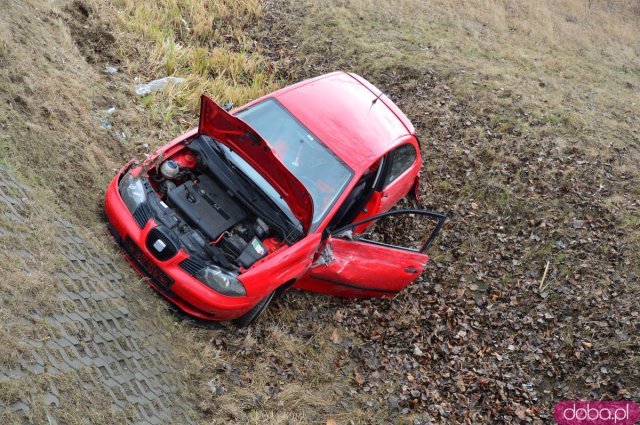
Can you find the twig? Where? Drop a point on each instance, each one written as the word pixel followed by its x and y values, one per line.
pixel 544 276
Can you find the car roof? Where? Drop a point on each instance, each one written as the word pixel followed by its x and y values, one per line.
pixel 349 115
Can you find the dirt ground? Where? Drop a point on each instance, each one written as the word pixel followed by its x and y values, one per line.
pixel 529 297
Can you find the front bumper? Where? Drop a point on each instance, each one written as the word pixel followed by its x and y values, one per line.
pixel 167 277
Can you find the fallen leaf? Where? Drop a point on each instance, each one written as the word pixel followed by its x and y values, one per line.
pixel 335 338
pixel 521 413
pixel 358 377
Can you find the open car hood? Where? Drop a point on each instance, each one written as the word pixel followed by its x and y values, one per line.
pixel 236 134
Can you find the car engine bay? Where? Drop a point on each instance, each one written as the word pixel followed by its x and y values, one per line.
pixel 196 212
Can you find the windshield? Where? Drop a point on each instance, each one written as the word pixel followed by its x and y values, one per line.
pixel 317 168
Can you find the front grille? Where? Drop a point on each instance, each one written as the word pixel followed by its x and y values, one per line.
pixel 167 249
pixel 162 280
pixel 142 214
pixel 192 265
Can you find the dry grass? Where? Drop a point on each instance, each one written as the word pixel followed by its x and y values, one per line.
pixel 275 372
pixel 569 63
pixel 81 406
pixel 202 41
pixel 30 263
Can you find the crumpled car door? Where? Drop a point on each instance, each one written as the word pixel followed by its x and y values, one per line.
pixel 352 266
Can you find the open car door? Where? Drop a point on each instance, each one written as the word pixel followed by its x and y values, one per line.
pixel 357 266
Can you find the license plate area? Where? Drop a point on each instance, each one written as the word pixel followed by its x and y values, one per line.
pixel 147 266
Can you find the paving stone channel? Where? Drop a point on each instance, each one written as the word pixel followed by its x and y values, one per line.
pixel 102 337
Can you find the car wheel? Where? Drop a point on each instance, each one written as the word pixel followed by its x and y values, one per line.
pixel 252 315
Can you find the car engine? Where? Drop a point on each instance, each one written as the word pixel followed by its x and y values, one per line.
pixel 205 203
pixel 208 222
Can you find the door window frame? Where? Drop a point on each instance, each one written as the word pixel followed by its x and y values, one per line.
pixel 441 218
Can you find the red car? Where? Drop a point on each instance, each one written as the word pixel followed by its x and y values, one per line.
pixel 275 194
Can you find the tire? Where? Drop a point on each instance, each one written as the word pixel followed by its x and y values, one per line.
pixel 252 315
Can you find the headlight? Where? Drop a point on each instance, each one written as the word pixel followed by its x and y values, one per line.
pixel 132 191
pixel 221 282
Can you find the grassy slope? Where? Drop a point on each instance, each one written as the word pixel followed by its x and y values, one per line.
pixel 53 95
pixel 525 112
pixel 202 41
pixel 529 126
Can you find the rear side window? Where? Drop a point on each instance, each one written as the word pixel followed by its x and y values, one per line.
pixel 402 158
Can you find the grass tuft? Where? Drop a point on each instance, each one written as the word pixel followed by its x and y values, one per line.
pixel 199 40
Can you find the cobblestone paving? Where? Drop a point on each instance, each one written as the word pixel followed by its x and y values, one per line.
pixel 98 336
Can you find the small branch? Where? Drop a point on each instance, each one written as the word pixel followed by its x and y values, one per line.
pixel 544 276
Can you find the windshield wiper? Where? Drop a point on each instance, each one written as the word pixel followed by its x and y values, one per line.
pixel 221 153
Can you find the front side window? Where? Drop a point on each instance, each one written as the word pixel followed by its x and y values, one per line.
pixel 318 169
pixel 402 158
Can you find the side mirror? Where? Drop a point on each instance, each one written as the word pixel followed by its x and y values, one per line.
pixel 227 106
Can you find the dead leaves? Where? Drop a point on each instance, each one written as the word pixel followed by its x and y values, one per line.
pixel 520 266
pixel 487 336
pixel 335 337
pixel 358 377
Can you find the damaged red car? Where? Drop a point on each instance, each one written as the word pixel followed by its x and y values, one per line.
pixel 279 193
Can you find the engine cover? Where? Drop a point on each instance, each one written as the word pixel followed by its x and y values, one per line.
pixel 207 206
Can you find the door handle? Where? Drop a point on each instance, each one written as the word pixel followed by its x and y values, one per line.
pixel 411 270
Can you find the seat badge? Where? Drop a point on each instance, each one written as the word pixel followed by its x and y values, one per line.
pixel 159 245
